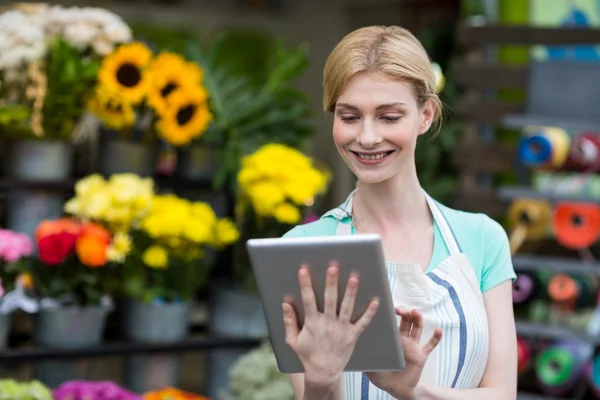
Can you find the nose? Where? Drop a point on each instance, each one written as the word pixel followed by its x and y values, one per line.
pixel 368 136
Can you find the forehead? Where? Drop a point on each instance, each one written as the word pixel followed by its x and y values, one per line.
pixel 366 90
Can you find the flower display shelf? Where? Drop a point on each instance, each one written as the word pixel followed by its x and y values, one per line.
pixel 172 182
pixel 122 348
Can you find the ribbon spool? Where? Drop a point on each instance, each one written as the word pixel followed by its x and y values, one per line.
pixel 530 219
pixel 593 374
pixel 544 147
pixel 524 354
pixel 576 225
pixel 584 155
pixel 572 291
pixel 524 288
pixel 560 366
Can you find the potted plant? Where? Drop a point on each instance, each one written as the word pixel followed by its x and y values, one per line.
pixel 171 393
pixel 255 375
pixel 141 98
pixel 49 60
pixel 90 390
pixel 249 77
pixel 276 185
pixel 163 272
pixel 14 248
pixel 32 390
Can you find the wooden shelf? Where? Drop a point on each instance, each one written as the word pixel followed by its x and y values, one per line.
pixel 532 263
pixel 516 192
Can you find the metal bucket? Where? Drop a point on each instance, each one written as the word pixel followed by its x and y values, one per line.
pixel 151 323
pixel 233 312
pixel 198 161
pixel 39 160
pixel 125 156
pixel 68 327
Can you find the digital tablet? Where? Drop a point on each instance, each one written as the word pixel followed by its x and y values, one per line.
pixel 275 263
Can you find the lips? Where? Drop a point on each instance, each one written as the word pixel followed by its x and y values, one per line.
pixel 371 158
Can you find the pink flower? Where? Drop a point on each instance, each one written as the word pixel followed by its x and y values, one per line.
pixel 14 245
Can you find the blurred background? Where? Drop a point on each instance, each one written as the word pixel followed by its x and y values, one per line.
pixel 142 144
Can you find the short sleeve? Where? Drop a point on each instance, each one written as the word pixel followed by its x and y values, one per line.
pixel 297 231
pixel 497 259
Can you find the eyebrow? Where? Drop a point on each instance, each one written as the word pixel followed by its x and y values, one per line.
pixel 379 107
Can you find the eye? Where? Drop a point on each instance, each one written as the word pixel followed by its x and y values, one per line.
pixel 349 118
pixel 391 118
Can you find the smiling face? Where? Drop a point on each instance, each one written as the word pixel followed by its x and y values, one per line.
pixel 376 124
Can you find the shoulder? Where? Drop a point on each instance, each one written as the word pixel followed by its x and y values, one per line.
pixel 322 227
pixel 474 227
pixel 485 243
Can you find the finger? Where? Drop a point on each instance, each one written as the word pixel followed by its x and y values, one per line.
pixel 331 291
pixel 405 322
pixel 366 318
pixel 433 341
pixel 349 299
pixel 417 327
pixel 307 292
pixel 290 322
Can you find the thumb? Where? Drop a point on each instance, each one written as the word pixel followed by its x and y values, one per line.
pixel 290 322
pixel 433 341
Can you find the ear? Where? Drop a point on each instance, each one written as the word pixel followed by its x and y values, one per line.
pixel 427 114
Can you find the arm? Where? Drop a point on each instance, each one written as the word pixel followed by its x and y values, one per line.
pixel 499 380
pixel 303 393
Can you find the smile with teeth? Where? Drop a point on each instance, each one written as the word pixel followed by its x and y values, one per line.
pixel 373 156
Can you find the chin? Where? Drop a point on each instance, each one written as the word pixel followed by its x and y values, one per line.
pixel 371 178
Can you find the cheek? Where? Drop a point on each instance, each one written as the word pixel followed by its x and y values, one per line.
pixel 342 134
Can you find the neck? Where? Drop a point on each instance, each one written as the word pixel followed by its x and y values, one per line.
pixel 392 205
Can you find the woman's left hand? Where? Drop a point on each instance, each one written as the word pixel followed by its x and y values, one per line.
pixel 401 384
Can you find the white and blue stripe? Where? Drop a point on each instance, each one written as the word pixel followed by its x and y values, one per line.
pixel 449 298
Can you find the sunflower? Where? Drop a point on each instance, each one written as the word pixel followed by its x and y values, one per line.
pixel 124 70
pixel 187 116
pixel 112 109
pixel 170 72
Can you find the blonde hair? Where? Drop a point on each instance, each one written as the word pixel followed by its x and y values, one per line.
pixel 390 50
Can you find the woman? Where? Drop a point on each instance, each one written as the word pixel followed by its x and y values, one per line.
pixel 450 272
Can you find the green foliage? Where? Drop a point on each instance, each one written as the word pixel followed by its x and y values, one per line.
pixel 251 109
pixel 181 280
pixel 85 285
pixel 71 79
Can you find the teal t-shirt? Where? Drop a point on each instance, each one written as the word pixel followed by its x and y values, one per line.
pixel 480 238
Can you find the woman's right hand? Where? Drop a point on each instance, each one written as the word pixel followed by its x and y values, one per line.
pixel 326 340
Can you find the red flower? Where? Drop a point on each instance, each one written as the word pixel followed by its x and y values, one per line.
pixel 55 248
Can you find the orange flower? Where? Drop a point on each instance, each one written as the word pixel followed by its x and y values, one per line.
pixel 66 225
pixel 92 246
pixel 172 394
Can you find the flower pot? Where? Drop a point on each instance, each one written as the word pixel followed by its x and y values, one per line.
pixel 237 313
pixel 39 161
pixel 68 327
pixel 198 161
pixel 154 323
pixel 126 156
pixel 5 323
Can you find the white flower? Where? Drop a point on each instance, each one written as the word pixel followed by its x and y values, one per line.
pixel 80 35
pixel 102 47
pixel 5 42
pixel 117 32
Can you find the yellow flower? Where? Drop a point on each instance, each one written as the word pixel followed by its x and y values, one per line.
pixel 170 72
pixel 156 257
pixel 440 80
pixel 111 108
pixel 226 233
pixel 119 247
pixel 287 213
pixel 265 197
pixel 187 116
pixel 124 71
